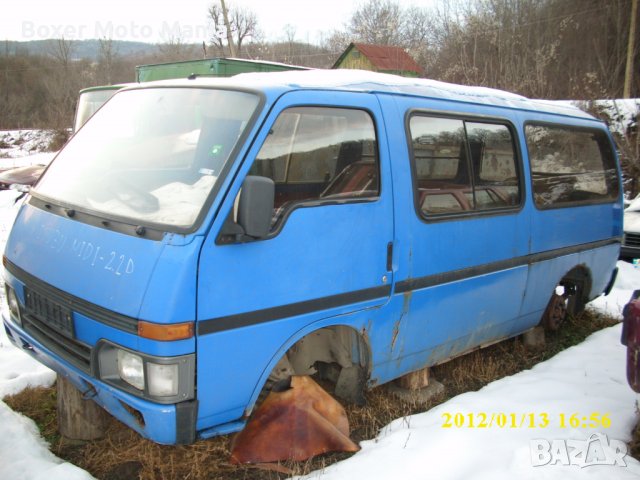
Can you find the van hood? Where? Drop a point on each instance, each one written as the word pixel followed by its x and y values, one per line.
pixel 106 268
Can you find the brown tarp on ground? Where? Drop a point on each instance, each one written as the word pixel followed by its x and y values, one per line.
pixel 295 424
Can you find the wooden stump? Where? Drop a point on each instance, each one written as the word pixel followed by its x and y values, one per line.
pixel 78 419
pixel 414 380
pixel 417 388
pixel 534 339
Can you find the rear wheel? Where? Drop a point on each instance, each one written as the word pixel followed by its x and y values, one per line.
pixel 567 299
pixel 556 312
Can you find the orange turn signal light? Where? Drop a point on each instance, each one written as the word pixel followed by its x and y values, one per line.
pixel 174 331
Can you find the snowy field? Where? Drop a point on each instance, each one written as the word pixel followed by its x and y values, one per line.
pixel 20 148
pixel 527 426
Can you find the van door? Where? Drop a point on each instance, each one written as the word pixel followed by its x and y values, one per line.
pixel 326 254
pixel 462 235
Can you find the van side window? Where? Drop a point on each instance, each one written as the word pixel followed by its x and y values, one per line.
pixel 570 166
pixel 463 166
pixel 320 153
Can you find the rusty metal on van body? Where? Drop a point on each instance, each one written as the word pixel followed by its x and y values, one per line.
pixel 406 302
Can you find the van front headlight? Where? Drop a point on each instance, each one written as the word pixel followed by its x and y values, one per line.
pixel 14 304
pixel 131 368
pixel 160 379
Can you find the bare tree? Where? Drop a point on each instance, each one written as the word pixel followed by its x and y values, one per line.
pixel 628 76
pixel 243 25
pixel 106 60
pixel 61 51
pixel 542 48
pixel 6 96
pixel 417 25
pixel 337 41
pixel 377 22
pixel 61 85
pixel 290 33
pixel 174 50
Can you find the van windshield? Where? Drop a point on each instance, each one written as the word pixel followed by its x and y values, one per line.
pixel 150 155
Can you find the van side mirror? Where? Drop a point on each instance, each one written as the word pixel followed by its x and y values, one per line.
pixel 256 206
pixel 254 212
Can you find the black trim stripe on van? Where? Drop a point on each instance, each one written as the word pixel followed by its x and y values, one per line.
pixel 88 309
pixel 291 310
pixel 240 320
pixel 464 273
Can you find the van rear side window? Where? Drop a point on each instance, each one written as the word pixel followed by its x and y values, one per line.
pixel 463 166
pixel 319 153
pixel 570 166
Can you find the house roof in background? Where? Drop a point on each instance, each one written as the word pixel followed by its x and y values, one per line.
pixel 384 57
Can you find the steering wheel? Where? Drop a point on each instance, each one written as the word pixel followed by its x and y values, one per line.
pixel 132 195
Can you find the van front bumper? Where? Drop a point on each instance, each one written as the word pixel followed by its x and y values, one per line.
pixel 166 424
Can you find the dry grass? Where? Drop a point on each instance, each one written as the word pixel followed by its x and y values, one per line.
pixel 123 454
pixel 58 139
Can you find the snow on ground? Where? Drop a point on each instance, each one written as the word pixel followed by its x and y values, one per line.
pixel 17 372
pixel 20 148
pixel 623 112
pixel 23 452
pixel 42 158
pixel 25 455
pixel 628 280
pixel 20 143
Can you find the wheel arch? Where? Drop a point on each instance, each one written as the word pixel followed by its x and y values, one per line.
pixel 353 330
pixel 580 279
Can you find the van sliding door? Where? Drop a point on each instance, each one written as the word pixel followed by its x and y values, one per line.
pixel 463 233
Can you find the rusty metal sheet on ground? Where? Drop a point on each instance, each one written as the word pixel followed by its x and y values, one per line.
pixel 295 424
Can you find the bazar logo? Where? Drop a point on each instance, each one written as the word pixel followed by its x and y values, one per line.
pixel 596 450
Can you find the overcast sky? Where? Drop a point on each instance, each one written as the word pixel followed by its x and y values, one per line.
pixel 159 20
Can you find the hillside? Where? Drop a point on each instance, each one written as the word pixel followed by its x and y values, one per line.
pixel 80 49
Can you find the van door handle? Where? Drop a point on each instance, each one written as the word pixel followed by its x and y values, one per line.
pixel 389 256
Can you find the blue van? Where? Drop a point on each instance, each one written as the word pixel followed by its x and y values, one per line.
pixel 199 239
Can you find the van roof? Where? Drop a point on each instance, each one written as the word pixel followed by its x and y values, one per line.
pixel 366 81
pixel 101 88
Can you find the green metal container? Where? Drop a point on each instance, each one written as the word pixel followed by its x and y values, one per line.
pixel 215 67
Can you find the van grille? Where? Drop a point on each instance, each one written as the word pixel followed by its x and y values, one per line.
pixel 52 325
pixel 632 239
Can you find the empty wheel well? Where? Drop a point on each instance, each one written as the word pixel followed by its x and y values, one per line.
pixel 577 282
pixel 338 344
pixel 338 353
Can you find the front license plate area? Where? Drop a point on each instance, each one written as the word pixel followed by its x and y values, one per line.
pixel 53 315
